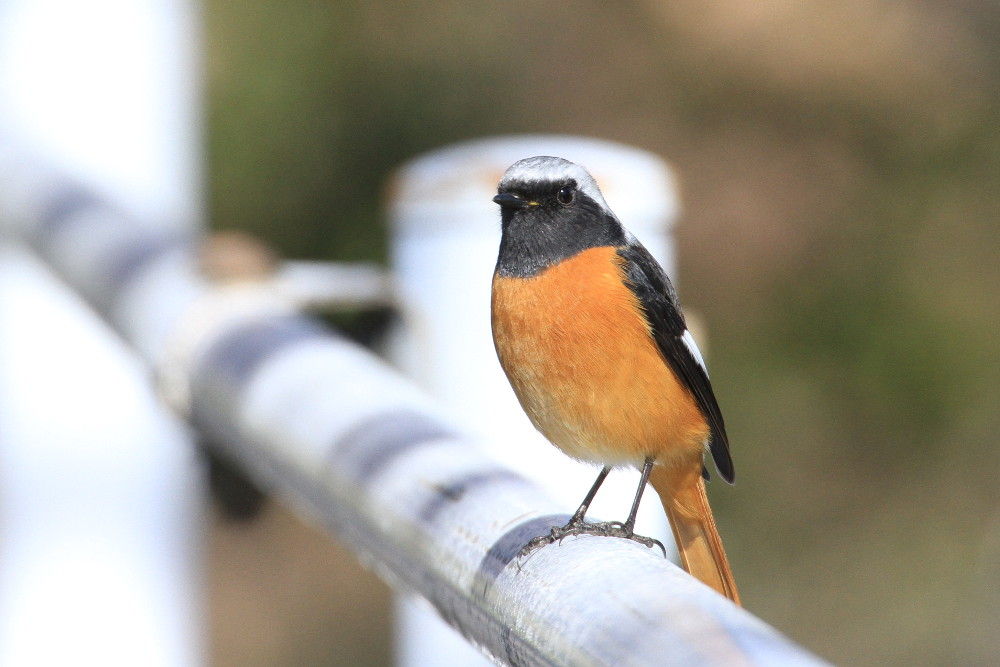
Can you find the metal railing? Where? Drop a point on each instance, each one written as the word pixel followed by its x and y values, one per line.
pixel 366 453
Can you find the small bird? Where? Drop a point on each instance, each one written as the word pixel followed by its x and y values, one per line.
pixel 589 331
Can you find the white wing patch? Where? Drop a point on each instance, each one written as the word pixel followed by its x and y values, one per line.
pixel 693 349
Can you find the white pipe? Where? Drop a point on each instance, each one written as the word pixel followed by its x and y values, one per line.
pixel 368 454
pixel 100 494
pixel 446 234
pixel 317 285
pixel 108 91
pixel 100 491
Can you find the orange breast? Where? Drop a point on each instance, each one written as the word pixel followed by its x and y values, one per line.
pixel 579 355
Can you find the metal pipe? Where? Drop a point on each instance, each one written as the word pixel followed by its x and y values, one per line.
pixel 368 454
pixel 100 491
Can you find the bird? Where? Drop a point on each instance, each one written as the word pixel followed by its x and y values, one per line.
pixel 589 331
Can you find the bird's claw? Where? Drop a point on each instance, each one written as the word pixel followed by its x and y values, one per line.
pixel 580 527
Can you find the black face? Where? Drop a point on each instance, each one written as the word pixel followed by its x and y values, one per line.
pixel 545 222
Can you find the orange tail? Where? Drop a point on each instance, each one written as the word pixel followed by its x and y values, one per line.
pixel 698 540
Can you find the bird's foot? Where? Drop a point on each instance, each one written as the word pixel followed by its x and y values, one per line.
pixel 581 527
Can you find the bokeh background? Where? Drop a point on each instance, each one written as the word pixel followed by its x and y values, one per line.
pixel 839 237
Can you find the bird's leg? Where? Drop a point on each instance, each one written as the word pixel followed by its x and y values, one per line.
pixel 577 518
pixel 576 522
pixel 628 528
pixel 647 467
pixel 577 526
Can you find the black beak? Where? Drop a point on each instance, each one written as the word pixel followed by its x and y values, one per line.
pixel 508 200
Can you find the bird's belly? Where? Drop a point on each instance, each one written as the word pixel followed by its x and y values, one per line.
pixel 580 357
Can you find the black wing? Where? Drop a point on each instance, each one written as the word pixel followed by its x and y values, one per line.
pixel 651 285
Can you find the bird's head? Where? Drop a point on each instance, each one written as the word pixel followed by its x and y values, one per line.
pixel 551 209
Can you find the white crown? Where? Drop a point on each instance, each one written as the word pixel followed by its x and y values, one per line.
pixel 546 169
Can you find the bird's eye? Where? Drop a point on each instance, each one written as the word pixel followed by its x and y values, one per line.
pixel 565 195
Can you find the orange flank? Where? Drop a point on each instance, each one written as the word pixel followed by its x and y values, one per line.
pixel 578 350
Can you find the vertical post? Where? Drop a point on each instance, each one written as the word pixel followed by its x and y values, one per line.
pixel 100 493
pixel 445 236
pixel 108 92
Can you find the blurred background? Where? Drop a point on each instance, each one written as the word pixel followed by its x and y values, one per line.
pixel 838 174
pixel 839 238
